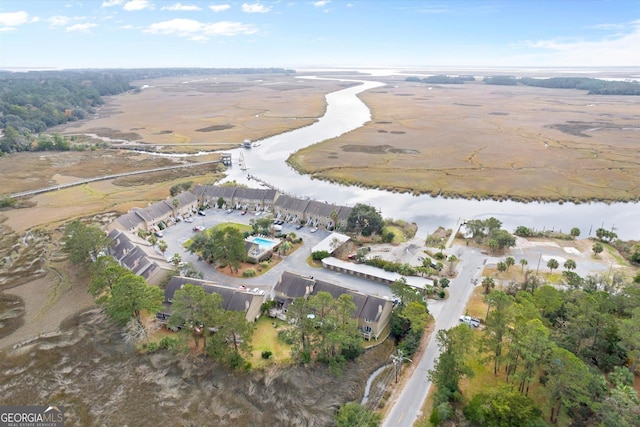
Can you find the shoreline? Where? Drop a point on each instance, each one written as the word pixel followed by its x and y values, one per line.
pixel 294 164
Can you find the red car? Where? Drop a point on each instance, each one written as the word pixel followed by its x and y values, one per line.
pixel 198 228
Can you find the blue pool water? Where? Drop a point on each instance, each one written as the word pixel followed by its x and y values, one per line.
pixel 264 244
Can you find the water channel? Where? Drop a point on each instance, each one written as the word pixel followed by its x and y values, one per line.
pixel 345 112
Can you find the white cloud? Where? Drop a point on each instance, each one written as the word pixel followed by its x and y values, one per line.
pixel 58 21
pixel 109 3
pixel 608 27
pixel 133 5
pixel 182 7
pixel 255 8
pixel 200 31
pixel 13 19
pixel 219 7
pixel 321 3
pixel 81 27
pixel 611 50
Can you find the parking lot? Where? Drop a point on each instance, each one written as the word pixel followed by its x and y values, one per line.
pixel 296 262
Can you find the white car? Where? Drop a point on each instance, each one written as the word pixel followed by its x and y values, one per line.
pixel 470 321
pixel 188 219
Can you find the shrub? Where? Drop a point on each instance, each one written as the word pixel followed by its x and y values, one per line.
pixel 388 237
pixel 249 272
pixel 320 255
pixel 285 337
pixel 168 343
pixel 152 347
pixel 264 265
pixel 7 202
pixel 266 354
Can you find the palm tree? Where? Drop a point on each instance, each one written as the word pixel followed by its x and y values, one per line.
pixel 523 262
pixel 488 284
pixel 597 248
pixel 552 264
pixel 162 245
pixel 176 204
pixel 502 267
pixel 176 259
pixel 334 219
pixel 570 264
pixel 284 248
pixel 451 259
pixel 509 261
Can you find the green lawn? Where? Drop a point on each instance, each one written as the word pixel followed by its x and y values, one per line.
pixel 265 338
pixel 398 233
pixel 241 227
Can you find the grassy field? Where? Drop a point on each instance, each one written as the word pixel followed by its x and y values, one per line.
pixel 208 113
pixel 265 338
pixel 481 141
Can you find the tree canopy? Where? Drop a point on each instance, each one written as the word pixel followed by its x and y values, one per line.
pixel 84 243
pixel 365 219
pixel 130 295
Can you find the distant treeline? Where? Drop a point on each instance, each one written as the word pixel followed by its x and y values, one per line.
pixel 593 86
pixel 442 79
pixel 31 102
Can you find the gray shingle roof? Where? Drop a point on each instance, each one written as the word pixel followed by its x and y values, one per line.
pixel 290 203
pixel 232 299
pixel 155 211
pixel 130 220
pixel 321 209
pixel 372 309
pixel 293 285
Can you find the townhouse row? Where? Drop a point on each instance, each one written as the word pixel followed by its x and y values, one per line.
pixel 160 214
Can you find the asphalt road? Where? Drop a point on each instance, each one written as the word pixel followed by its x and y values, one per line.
pixel 406 409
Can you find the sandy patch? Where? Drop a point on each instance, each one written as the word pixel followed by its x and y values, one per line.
pixel 572 251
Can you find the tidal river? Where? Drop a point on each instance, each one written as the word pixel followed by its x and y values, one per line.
pixel 345 112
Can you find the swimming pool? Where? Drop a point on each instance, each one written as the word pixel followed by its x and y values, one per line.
pixel 264 243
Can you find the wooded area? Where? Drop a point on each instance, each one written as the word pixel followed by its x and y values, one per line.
pixel 593 86
pixel 35 101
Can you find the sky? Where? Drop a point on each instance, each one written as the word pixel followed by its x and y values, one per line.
pixel 318 33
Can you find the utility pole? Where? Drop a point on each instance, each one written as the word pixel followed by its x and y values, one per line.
pixel 538 267
pixel 397 363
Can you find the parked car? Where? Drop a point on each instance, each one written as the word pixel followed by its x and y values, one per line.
pixel 202 213
pixel 158 234
pixel 243 213
pixel 299 226
pixel 229 211
pixel 198 228
pixel 189 219
pixel 470 321
pixel 314 229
